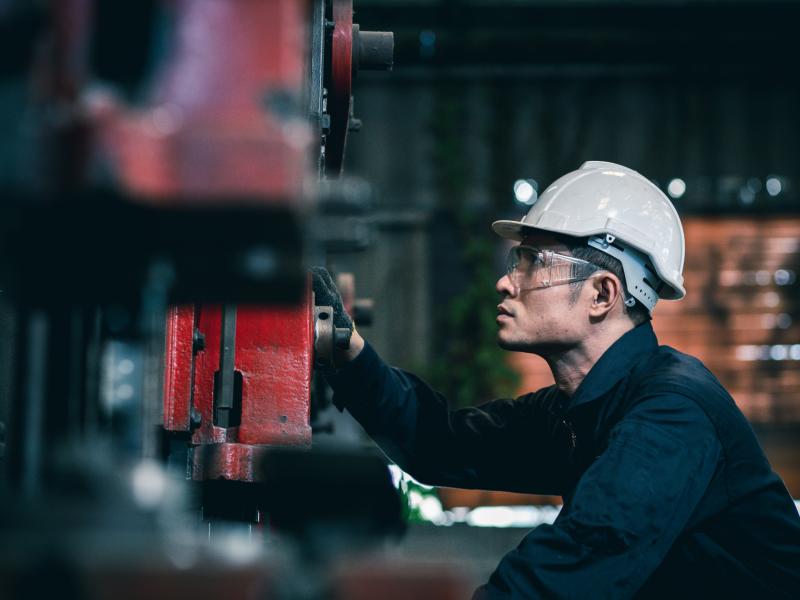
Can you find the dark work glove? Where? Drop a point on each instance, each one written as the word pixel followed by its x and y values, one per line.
pixel 326 294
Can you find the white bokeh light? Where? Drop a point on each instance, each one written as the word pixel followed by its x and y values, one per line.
pixel 149 483
pixel 784 277
pixel 774 186
pixel 676 188
pixel 525 191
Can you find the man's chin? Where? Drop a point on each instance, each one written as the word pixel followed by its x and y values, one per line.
pixel 520 345
pixel 511 345
pixel 539 348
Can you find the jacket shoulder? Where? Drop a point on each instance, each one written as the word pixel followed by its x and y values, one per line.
pixel 671 372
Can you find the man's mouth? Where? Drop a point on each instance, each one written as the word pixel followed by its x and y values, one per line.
pixel 503 311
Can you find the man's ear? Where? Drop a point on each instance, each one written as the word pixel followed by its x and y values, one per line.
pixel 606 293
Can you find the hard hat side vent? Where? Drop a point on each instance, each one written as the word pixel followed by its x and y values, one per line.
pixel 639 274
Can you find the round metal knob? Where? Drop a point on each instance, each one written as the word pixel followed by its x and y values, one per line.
pixel 372 50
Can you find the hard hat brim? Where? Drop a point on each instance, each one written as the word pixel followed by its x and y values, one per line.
pixel 515 230
pixel 511 230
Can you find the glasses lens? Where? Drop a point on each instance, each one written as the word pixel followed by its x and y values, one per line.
pixel 521 266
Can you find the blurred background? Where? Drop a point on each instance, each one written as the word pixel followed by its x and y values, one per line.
pixel 488 102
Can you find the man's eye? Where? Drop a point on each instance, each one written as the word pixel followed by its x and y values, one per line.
pixel 530 265
pixel 533 259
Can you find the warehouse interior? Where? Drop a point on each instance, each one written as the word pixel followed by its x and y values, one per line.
pixel 171 170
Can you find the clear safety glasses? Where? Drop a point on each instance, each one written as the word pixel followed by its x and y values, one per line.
pixel 529 268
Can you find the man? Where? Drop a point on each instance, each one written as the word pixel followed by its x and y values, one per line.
pixel 666 490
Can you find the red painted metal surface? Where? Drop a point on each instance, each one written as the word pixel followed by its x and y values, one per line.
pixel 339 96
pixel 274 355
pixel 231 461
pixel 179 368
pixel 225 116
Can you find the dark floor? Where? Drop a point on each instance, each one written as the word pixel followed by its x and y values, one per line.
pixel 476 550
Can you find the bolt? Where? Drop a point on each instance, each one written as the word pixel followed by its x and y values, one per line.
pixel 341 337
pixel 198 341
pixel 195 418
pixel 373 50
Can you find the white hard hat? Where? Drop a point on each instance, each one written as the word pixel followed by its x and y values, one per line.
pixel 623 214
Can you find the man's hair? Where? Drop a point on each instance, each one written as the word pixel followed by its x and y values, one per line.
pixel 580 249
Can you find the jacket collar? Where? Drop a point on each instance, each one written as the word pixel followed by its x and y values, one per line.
pixel 615 364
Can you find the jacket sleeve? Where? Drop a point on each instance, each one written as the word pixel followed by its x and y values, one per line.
pixel 625 513
pixel 468 448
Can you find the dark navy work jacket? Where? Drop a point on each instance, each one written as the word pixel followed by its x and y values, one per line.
pixel 666 490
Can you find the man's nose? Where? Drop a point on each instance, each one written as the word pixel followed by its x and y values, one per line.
pixel 504 286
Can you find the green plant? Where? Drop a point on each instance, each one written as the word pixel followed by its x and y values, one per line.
pixel 470 367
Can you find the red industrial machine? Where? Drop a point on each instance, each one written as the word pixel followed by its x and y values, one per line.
pixel 224 124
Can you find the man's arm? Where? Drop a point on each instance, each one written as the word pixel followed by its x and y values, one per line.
pixel 626 512
pixel 481 447
pixel 473 447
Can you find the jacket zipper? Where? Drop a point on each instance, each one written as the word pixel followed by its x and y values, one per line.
pixel 573 439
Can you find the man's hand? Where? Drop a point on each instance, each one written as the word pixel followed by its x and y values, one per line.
pixel 326 294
